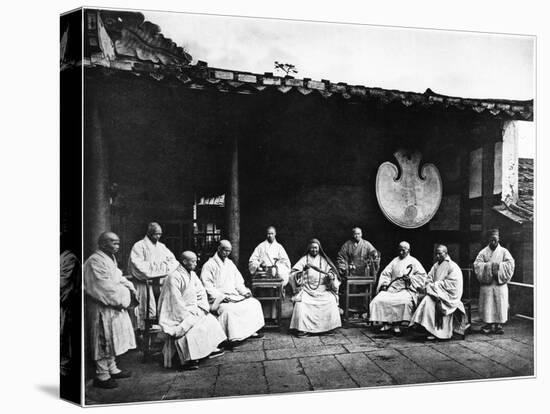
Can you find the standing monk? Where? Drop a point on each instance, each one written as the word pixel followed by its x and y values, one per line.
pixel 315 279
pixel 149 258
pixel 355 254
pixel 398 290
pixel 184 313
pixel 436 313
pixel 239 314
pixel 108 295
pixel 494 267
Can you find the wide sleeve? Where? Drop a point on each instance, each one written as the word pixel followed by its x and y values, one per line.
pixel 170 260
pixel 418 275
pixel 239 281
pixel 482 268
pixel 125 282
pixel 202 298
pixel 506 268
pixel 448 290
pixel 100 285
pixel 207 279
pixel 255 260
pixel 284 260
pixel 138 267
pixel 174 317
pixel 342 259
pixel 295 273
pixel 385 276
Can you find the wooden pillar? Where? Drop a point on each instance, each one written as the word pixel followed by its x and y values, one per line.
pixel 97 217
pixel 232 206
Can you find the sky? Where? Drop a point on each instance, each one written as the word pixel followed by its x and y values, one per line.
pixel 466 64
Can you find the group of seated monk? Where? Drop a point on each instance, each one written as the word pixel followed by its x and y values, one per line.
pixel 215 312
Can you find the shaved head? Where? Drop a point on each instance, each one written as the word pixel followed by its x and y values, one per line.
pixel 188 255
pixel 151 227
pixel 224 249
pixel 108 242
pixel 271 233
pixel 105 237
pixel 189 260
pixel 405 245
pixel 154 231
pixel 357 234
pixel 225 243
pixel 441 253
pixel 403 249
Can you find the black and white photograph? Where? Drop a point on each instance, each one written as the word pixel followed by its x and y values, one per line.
pixel 258 206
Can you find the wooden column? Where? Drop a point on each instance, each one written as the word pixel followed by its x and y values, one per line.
pixel 232 205
pixel 97 217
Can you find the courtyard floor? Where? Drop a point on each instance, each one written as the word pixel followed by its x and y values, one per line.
pixel 352 357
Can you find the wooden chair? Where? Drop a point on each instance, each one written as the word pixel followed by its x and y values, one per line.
pixel 366 284
pixel 151 328
pixel 467 298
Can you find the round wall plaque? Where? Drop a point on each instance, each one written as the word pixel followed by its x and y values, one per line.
pixel 412 200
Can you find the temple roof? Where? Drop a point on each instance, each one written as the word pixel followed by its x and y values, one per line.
pixel 126 42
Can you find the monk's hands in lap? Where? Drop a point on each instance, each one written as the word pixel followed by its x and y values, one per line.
pixel 494 268
pixel 383 288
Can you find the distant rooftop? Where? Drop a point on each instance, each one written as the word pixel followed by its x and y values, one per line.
pixel 124 41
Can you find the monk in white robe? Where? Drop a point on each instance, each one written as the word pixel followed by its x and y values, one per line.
pixel 270 253
pixel 494 267
pixel 239 314
pixel 441 311
pixel 108 295
pixel 184 313
pixel 149 258
pixel 356 255
pixel 315 282
pixel 270 256
pixel 397 290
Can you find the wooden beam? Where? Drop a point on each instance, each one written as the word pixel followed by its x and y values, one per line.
pixel 233 209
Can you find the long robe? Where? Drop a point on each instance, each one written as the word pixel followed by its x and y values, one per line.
pixel 148 259
pixel 222 279
pixel 444 283
pixel 108 294
pixel 493 290
pixel 184 313
pixel 315 305
pixel 357 253
pixel 268 253
pixel 398 303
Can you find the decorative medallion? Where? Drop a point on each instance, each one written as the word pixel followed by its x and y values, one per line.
pixel 408 199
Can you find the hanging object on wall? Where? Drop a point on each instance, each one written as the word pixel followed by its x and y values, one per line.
pixel 408 199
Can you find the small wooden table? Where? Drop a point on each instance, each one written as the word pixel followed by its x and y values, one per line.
pixel 275 287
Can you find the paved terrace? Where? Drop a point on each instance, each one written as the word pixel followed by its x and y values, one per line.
pixel 353 357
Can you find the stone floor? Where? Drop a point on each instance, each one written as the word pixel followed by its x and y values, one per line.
pixel 353 357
